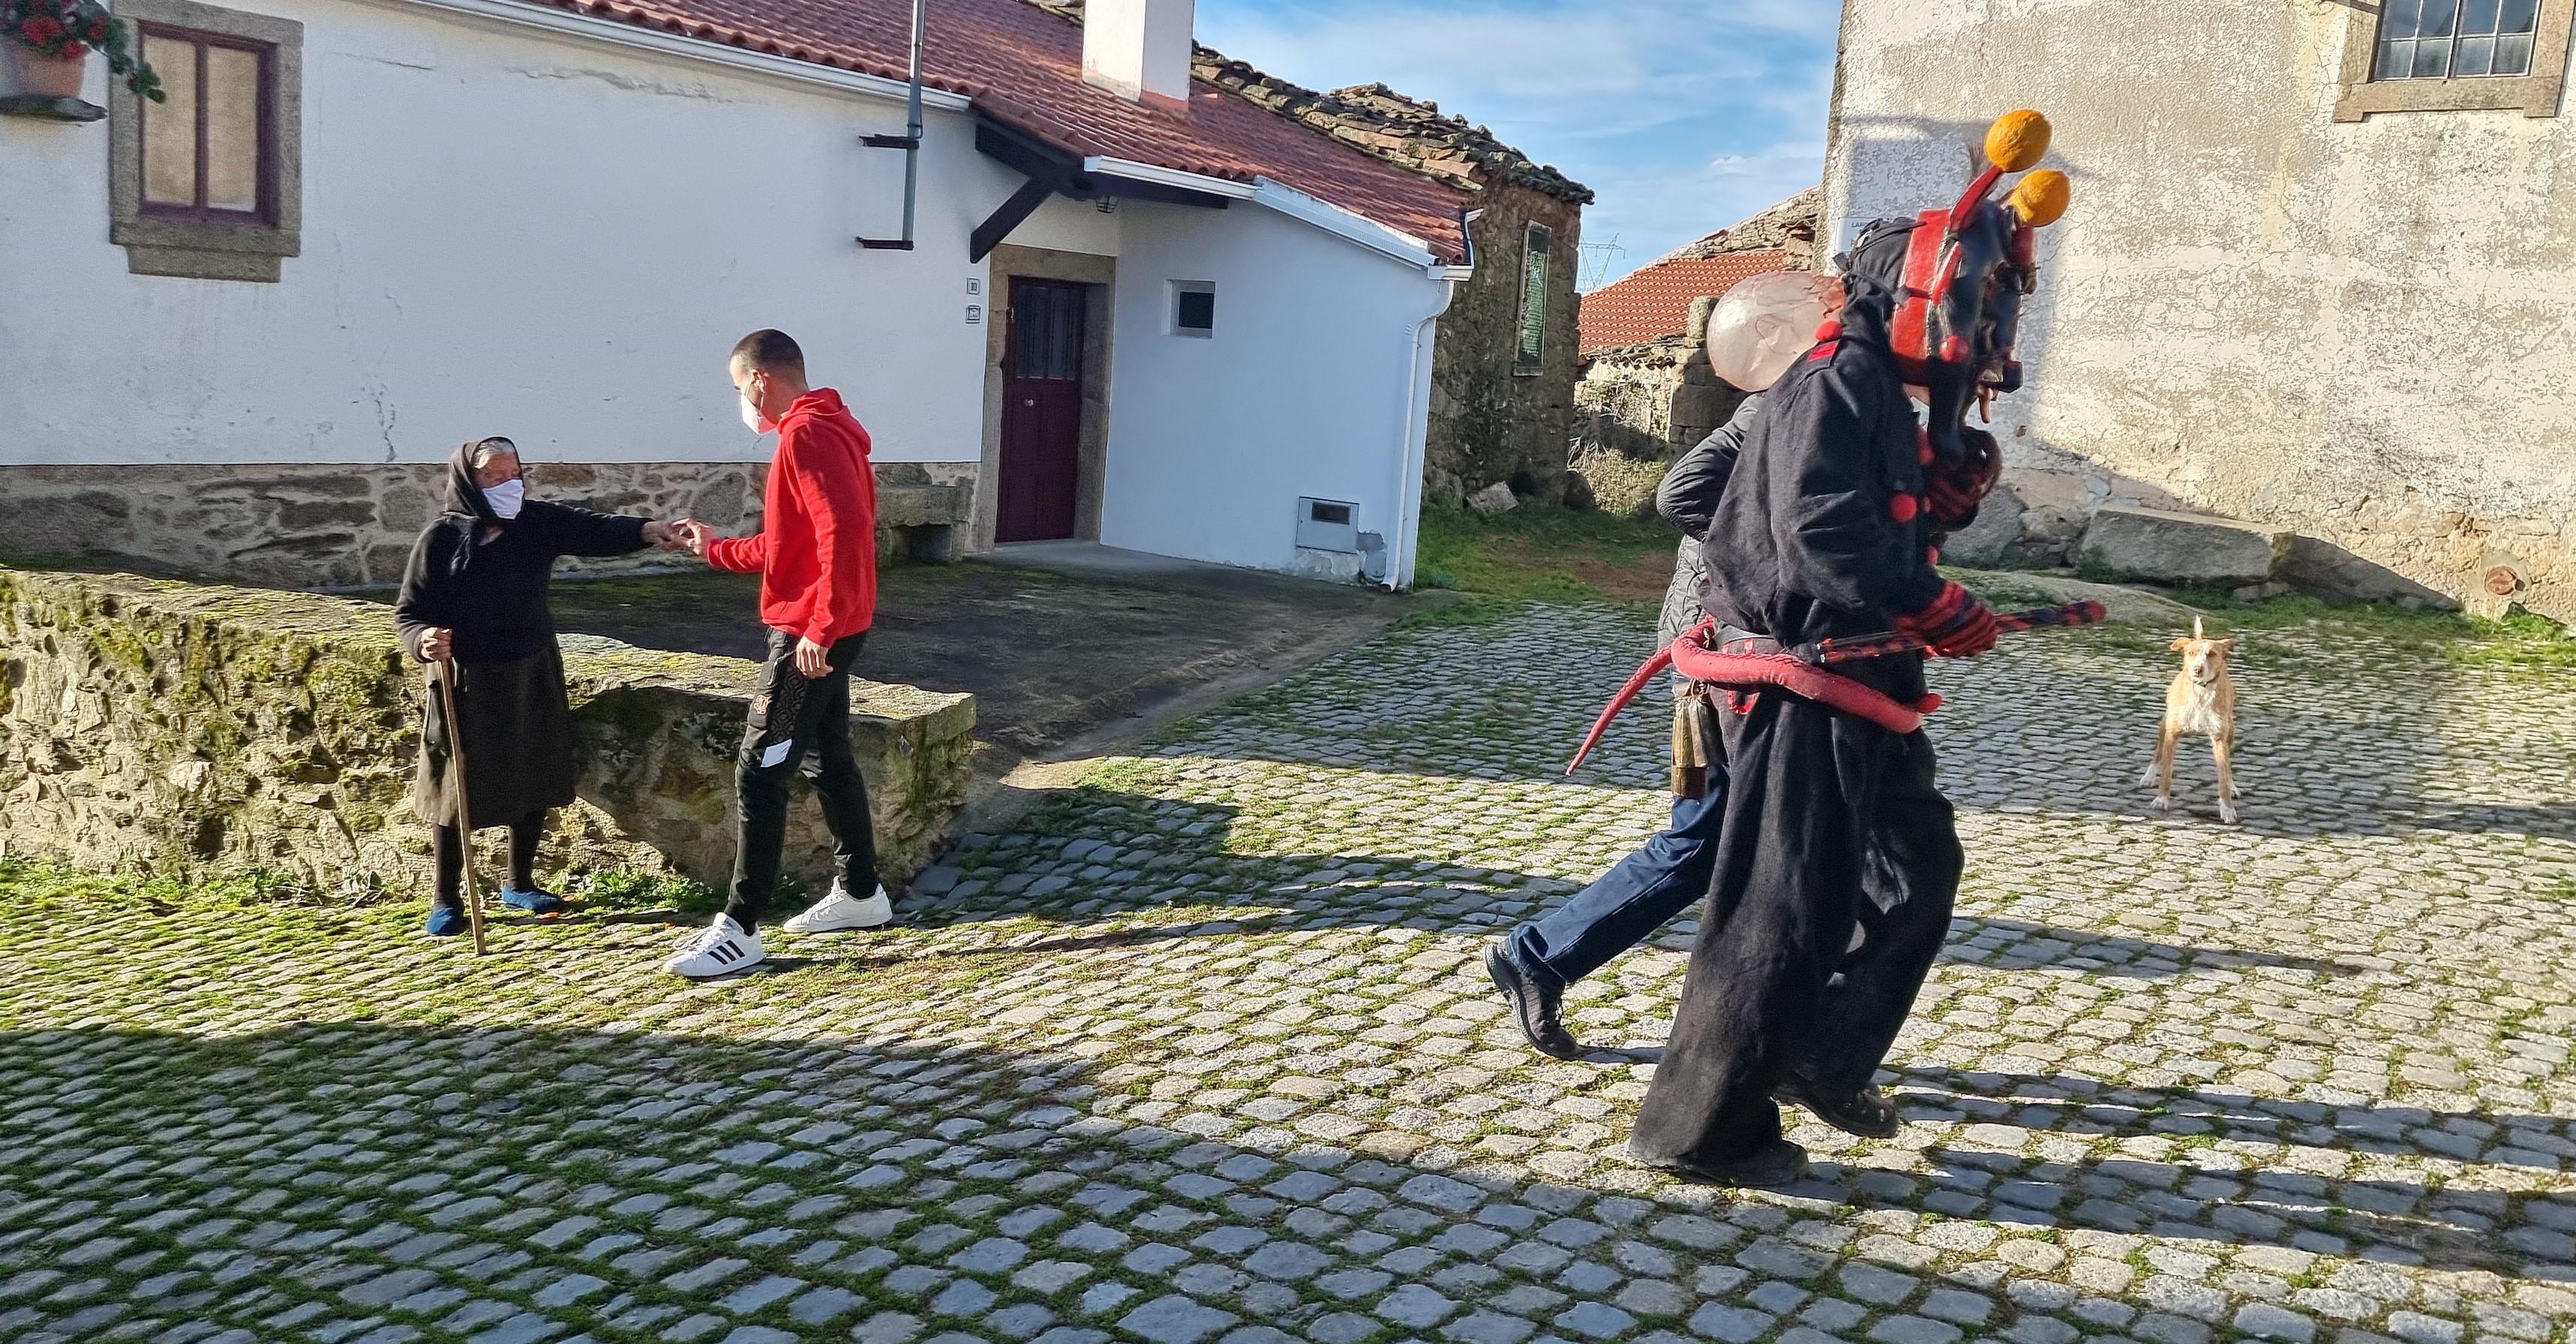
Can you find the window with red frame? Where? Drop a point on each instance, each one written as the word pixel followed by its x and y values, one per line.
pixel 206 149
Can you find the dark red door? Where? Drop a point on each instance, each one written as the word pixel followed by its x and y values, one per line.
pixel 1041 411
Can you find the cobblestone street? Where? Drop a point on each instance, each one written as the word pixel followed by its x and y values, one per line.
pixel 1204 1055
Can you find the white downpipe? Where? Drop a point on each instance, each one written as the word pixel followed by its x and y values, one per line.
pixel 1417 433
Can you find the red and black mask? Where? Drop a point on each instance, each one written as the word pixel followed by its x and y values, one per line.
pixel 1957 296
pixel 1955 280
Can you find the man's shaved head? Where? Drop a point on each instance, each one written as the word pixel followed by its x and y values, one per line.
pixel 769 350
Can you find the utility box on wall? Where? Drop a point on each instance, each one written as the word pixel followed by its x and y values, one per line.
pixel 1328 525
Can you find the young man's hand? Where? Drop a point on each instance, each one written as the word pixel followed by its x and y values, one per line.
pixel 436 644
pixel 688 534
pixel 812 659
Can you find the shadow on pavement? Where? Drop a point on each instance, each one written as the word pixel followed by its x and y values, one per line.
pixel 355 1176
pixel 2041 1101
pixel 2013 944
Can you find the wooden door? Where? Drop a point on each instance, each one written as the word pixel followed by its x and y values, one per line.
pixel 1041 411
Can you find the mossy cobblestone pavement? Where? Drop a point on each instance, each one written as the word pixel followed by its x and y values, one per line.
pixel 1203 1055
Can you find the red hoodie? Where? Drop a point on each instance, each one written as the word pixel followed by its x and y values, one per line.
pixel 816 549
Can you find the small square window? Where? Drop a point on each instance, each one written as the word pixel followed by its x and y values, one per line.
pixel 206 150
pixel 1193 308
pixel 207 183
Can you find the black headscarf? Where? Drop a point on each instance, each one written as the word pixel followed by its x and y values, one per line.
pixel 1872 273
pixel 466 510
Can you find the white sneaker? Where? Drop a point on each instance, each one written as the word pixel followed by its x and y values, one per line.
pixel 840 910
pixel 726 947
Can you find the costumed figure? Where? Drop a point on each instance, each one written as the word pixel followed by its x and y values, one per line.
pixel 474 598
pixel 1757 331
pixel 1838 859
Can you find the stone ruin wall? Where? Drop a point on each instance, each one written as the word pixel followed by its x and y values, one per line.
pixel 1651 402
pixel 1641 406
pixel 172 727
pixel 1489 423
pixel 348 525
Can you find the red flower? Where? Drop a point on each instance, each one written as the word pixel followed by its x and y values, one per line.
pixel 97 30
pixel 41 30
pixel 73 51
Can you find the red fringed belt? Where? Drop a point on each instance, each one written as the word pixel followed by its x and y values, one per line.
pixel 1801 671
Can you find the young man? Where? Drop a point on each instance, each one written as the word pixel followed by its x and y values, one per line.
pixel 1535 963
pixel 817 560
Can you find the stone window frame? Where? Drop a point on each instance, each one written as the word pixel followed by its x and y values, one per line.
pixel 200 248
pixel 2533 95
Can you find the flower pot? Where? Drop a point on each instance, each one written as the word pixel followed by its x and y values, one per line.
pixel 44 75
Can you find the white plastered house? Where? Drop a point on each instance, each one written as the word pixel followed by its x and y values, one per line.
pixel 242 326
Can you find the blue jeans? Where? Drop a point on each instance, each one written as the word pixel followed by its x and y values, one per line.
pixel 1669 875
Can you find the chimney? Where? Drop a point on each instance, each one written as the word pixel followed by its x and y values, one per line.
pixel 1139 49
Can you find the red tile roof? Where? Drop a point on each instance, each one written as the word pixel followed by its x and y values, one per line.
pixel 1023 66
pixel 1656 300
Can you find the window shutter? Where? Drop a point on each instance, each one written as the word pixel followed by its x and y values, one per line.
pixel 1536 246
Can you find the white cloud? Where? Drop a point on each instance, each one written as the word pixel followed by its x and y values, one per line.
pixel 1682 116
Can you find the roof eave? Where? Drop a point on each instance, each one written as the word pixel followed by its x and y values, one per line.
pixel 563 20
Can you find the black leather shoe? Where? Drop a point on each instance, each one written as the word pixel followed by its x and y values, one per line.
pixel 1866 1113
pixel 1776 1164
pixel 1534 1006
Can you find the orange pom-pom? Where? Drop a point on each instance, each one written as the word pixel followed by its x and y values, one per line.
pixel 2040 198
pixel 2017 140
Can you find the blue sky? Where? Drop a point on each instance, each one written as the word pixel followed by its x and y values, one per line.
pixel 1682 115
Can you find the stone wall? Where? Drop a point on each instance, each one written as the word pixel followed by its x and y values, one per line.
pixel 1789 226
pixel 170 726
pixel 1489 423
pixel 353 524
pixel 1654 401
pixel 2353 329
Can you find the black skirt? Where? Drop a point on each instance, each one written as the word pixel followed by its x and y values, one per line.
pixel 518 742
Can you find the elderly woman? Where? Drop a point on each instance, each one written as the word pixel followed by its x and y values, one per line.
pixel 475 593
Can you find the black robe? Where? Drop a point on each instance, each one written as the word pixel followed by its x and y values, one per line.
pixel 510 694
pixel 1838 861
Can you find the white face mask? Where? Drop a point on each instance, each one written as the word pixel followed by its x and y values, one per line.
pixel 506 498
pixel 752 419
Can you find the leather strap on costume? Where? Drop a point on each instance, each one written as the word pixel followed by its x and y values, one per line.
pixel 1763 662
pixel 1692 656
pixel 1760 661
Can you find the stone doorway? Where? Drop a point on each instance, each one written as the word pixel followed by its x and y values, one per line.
pixel 1042 379
pixel 1081 283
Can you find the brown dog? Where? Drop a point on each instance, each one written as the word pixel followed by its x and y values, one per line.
pixel 2202 701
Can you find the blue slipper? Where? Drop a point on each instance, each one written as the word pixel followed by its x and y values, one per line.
pixel 446 921
pixel 534 902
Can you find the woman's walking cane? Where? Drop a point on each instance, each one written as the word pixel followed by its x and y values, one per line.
pixel 445 677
